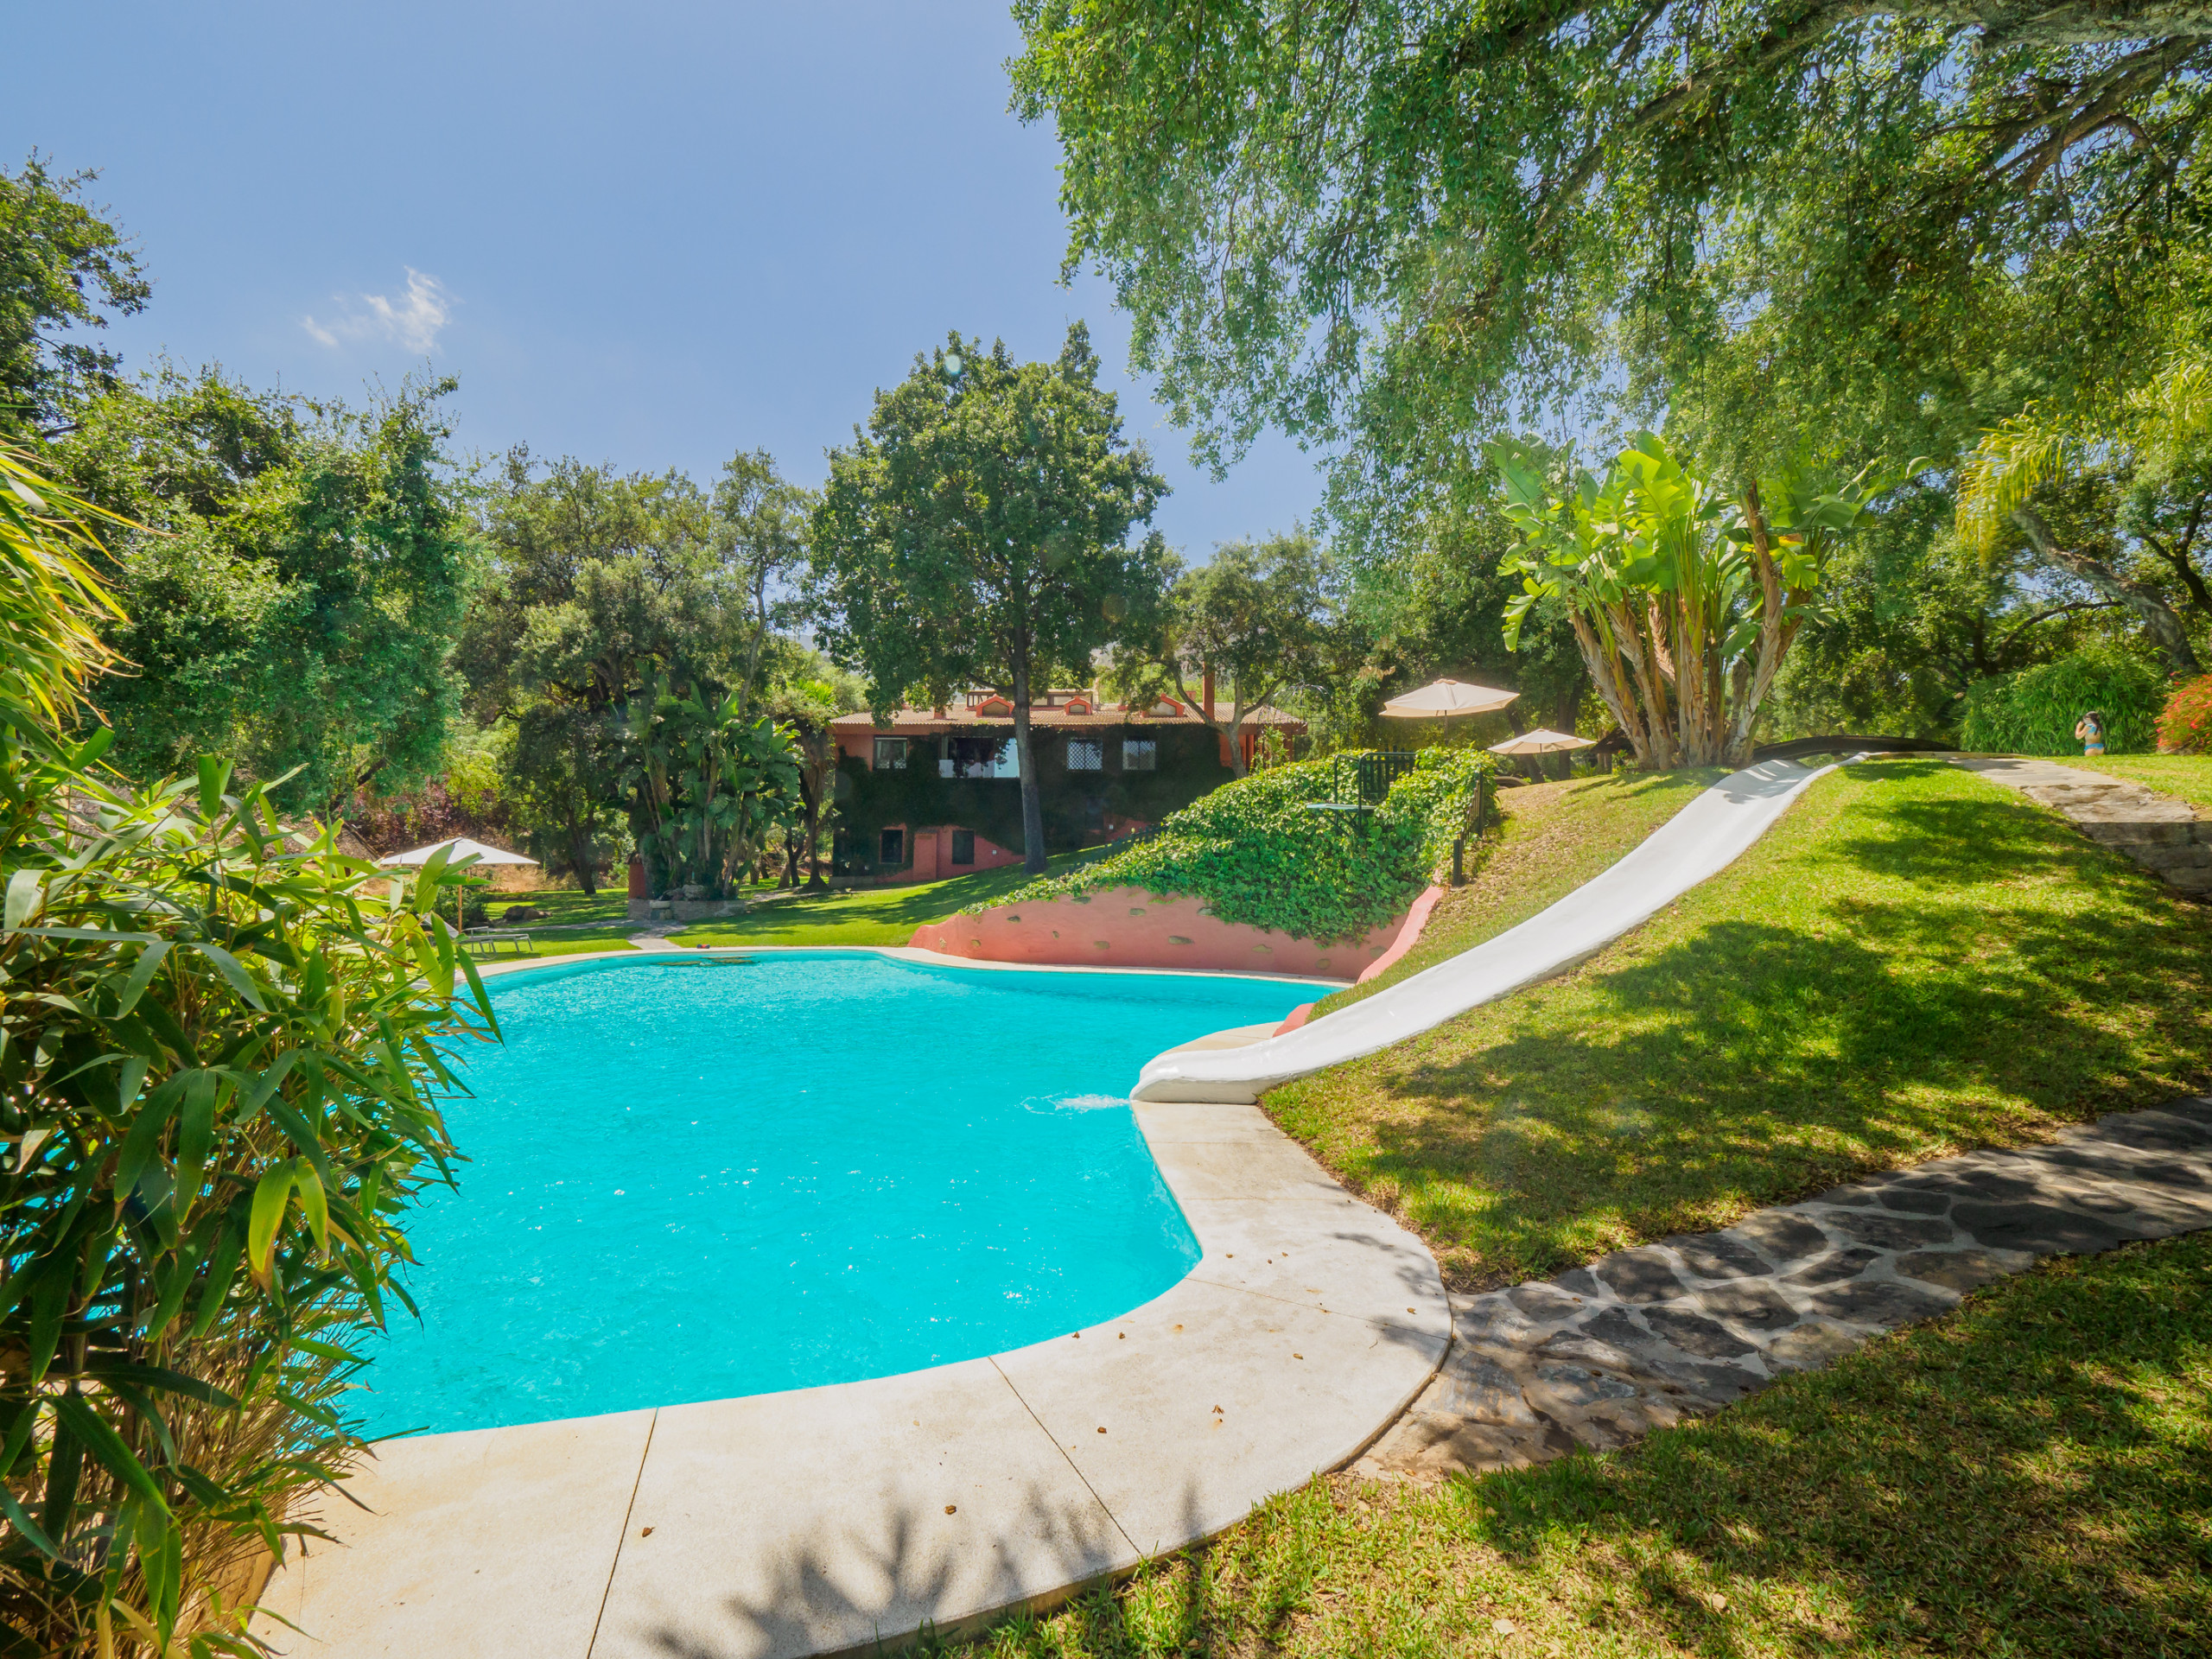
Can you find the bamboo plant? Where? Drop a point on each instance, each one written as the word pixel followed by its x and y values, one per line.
pixel 222 1050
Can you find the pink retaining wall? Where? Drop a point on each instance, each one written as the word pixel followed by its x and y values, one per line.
pixel 1128 927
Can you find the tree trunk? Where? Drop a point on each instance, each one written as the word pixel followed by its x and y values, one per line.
pixel 1033 800
pixel 579 860
pixel 2159 619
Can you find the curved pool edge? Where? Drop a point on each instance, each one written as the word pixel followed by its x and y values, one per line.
pixel 831 1519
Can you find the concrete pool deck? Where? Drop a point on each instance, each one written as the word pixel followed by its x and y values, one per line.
pixel 823 1520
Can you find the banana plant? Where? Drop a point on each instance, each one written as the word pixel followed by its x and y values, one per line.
pixel 1683 598
pixel 715 780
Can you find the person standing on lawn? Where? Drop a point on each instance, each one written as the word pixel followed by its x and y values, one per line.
pixel 2090 728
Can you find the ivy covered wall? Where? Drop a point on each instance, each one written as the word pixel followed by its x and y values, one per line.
pixel 1188 765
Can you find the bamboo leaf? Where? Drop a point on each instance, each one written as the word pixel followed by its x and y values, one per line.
pixel 106 1447
pixel 214 774
pixel 158 1377
pixel 233 971
pixel 26 891
pixel 20 1519
pixel 142 974
pixel 316 1206
pixel 270 1195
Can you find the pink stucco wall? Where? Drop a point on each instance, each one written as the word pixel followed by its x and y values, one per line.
pixel 1128 927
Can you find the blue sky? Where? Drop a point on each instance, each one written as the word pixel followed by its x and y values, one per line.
pixel 649 234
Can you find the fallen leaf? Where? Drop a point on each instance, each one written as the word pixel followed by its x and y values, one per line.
pixel 647 1533
pixel 1503 1626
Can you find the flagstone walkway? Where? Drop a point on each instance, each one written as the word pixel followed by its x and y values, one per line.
pixel 2163 835
pixel 1643 1338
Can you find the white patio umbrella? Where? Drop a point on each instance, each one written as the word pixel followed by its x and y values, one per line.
pixel 457 850
pixel 1448 698
pixel 1541 742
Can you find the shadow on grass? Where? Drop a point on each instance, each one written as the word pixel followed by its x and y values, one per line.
pixel 1755 1061
pixel 2028 1476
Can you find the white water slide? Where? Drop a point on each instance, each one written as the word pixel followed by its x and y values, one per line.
pixel 1701 840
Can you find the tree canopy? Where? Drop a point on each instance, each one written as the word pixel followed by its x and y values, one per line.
pixel 62 267
pixel 1256 619
pixel 623 623
pixel 1411 222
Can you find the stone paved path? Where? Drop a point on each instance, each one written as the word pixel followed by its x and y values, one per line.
pixel 1644 1338
pixel 2163 835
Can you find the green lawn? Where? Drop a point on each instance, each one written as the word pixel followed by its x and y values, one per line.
pixel 1912 962
pixel 571 942
pixel 2032 1474
pixel 865 915
pixel 564 906
pixel 2188 776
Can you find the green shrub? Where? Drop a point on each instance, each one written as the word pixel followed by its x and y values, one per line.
pixel 219 1077
pixel 2186 726
pixel 2033 711
pixel 1255 854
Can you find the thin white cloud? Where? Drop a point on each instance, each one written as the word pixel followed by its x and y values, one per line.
pixel 414 321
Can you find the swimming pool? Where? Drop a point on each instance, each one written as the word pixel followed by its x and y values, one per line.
pixel 691 1178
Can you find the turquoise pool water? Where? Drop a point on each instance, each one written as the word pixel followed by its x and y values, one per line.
pixel 689 1180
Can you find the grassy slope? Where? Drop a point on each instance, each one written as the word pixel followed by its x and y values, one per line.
pixel 1556 836
pixel 2030 1475
pixel 1913 961
pixel 2187 776
pixel 865 916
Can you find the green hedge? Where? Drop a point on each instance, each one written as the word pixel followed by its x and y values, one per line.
pixel 1256 855
pixel 2033 712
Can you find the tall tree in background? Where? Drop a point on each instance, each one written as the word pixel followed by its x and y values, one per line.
pixel 295 592
pixel 976 534
pixel 62 267
pixel 762 521
pixel 2149 460
pixel 1260 616
pixel 617 629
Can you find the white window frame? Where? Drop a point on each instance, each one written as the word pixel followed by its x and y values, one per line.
pixel 896 747
pixel 1093 750
pixel 1147 746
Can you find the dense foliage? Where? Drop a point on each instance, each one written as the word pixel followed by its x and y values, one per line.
pixel 1255 853
pixel 293 579
pixel 62 267
pixel 1398 221
pixel 1255 620
pixel 2035 710
pixel 220 1074
pixel 624 631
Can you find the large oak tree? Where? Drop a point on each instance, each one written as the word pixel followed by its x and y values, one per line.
pixel 978 534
